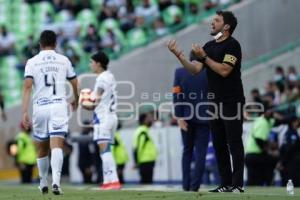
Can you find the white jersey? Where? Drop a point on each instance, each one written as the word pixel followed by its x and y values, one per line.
pixel 106 82
pixel 49 71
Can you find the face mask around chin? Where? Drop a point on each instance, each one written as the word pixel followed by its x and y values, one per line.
pixel 218 35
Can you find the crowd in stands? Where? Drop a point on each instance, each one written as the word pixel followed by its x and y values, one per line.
pixel 86 25
pixel 274 140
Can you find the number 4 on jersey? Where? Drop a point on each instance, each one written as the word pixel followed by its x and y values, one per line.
pixel 49 83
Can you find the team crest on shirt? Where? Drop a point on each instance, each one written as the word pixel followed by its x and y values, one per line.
pixel 230 59
pixel 48 58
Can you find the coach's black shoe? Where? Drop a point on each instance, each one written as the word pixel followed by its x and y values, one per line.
pixel 236 189
pixel 221 189
pixel 56 190
pixel 44 190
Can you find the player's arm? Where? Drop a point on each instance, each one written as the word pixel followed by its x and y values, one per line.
pixel 27 87
pixel 74 83
pixel 193 67
pixel 97 97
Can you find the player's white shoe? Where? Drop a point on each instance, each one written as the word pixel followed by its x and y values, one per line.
pixel 57 190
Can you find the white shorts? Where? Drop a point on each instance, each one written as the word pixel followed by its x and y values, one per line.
pixel 105 128
pixel 50 121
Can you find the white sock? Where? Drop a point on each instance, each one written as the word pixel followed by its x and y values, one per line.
pixel 43 167
pixel 56 165
pixel 109 168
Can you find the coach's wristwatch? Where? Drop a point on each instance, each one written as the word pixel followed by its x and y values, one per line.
pixel 203 59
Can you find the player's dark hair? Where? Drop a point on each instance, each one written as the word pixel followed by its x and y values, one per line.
pixel 48 38
pixel 101 58
pixel 229 19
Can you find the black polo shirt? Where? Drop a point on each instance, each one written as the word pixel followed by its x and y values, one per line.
pixel 226 89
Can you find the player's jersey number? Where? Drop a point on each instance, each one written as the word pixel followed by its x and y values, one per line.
pixel 50 82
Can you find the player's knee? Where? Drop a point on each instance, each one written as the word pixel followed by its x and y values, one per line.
pixel 104 147
pixel 43 152
pixel 56 142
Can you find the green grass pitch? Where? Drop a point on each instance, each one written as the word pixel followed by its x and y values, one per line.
pixel 30 192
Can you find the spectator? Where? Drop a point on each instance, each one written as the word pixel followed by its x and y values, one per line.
pixel 271 93
pixel 71 27
pixel 292 77
pixel 7 42
pixel 127 16
pixel 163 4
pixel 160 27
pixel 107 12
pixel 279 77
pixel 255 96
pixel 31 48
pixel 120 154
pixel 69 5
pixel 194 10
pixel 147 11
pixel 80 5
pixel 85 155
pixel 70 52
pixel 294 93
pixel 260 161
pixel 110 41
pixel 26 154
pixel 3 114
pixel 290 153
pixel 115 3
pixel 145 152
pixel 91 42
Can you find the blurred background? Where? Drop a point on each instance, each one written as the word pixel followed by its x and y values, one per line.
pixel 133 33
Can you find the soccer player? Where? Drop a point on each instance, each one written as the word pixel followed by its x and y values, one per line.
pixel 105 118
pixel 222 59
pixel 47 73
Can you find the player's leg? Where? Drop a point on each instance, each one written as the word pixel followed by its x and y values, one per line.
pixel 43 163
pixel 56 145
pixel 104 134
pixel 41 137
pixel 110 176
pixel 58 127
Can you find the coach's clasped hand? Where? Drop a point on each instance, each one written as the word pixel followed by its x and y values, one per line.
pixel 198 51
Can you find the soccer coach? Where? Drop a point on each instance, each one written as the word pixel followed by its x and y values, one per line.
pixel 222 59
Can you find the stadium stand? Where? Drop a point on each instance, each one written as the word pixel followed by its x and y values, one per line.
pixel 120 26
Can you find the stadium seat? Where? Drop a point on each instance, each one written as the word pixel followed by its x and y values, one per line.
pixel 40 13
pixel 109 23
pixel 85 18
pixel 136 37
pixel 4 14
pixel 170 14
pixel 120 35
pixel 96 5
pixel 11 80
pixel 62 16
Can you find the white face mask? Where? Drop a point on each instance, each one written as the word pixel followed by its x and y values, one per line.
pixel 218 36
